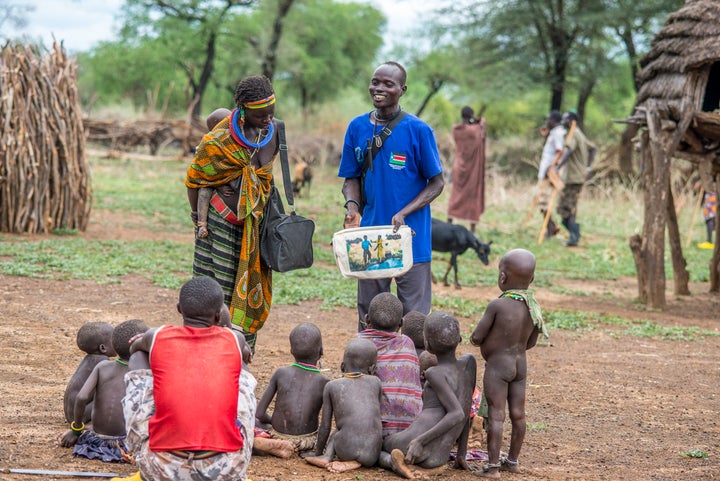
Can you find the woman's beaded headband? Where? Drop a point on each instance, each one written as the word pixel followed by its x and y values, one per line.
pixel 261 104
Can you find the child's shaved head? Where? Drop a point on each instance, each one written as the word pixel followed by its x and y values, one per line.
pixel 385 312
pixel 412 326
pixel 442 332
pixel 306 343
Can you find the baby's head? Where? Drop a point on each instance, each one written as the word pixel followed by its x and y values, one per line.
pixel 216 116
pixel 516 270
pixel 412 326
pixel 122 334
pixel 360 356
pixel 427 360
pixel 442 332
pixel 385 313
pixel 96 338
pixel 306 343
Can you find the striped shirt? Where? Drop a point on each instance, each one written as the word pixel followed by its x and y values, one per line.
pixel 399 372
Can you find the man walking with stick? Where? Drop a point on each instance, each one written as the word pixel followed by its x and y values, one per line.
pixel 551 151
pixel 576 159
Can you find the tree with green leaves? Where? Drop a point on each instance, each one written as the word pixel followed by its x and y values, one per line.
pixel 324 50
pixel 190 28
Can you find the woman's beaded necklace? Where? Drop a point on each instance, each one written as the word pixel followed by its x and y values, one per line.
pixel 237 132
pixel 121 362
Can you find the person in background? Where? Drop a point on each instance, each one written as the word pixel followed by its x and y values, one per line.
pixel 467 196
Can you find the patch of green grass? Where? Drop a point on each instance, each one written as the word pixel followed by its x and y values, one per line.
pixel 157 194
pixel 674 333
pixel 537 426
pixel 695 453
pixel 568 320
pixel 167 264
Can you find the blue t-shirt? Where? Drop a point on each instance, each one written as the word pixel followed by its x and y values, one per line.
pixel 401 170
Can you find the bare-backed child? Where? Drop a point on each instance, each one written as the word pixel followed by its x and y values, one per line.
pixel 298 392
pixel 412 326
pixel 184 420
pixel 95 339
pixel 423 449
pixel 510 326
pixel 106 386
pixel 397 363
pixel 204 194
pixel 354 402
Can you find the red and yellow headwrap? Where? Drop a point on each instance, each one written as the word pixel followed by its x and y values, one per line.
pixel 260 104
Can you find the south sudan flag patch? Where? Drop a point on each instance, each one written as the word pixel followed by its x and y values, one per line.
pixel 397 160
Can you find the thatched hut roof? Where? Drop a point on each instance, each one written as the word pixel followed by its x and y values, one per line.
pixel 689 40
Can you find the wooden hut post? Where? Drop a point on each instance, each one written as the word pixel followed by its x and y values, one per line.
pixel 657 178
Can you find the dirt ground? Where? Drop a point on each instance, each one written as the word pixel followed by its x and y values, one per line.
pixel 602 405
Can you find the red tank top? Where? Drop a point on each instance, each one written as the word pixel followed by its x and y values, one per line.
pixel 196 374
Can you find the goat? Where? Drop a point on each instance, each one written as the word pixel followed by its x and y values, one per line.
pixel 302 176
pixel 456 239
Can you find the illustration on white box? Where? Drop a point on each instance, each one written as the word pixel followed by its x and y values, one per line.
pixel 384 251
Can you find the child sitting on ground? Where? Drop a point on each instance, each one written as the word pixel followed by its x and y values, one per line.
pixel 95 339
pixel 169 383
pixel 205 193
pixel 397 363
pixel 510 326
pixel 354 401
pixel 412 326
pixel 423 449
pixel 298 392
pixel 106 385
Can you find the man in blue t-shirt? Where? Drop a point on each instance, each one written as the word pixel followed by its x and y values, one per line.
pixel 406 176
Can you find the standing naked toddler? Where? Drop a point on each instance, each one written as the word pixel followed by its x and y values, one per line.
pixel 510 326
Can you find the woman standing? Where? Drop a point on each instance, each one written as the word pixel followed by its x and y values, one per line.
pixel 236 158
pixel 467 197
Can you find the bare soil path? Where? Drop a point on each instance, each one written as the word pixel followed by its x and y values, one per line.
pixel 602 404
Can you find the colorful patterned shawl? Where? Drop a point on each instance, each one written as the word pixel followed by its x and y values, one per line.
pixel 218 160
pixel 399 372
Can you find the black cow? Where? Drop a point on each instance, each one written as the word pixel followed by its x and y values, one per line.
pixel 456 239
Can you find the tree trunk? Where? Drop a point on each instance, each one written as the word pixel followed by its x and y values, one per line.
pixel 681 277
pixel 636 246
pixel 205 75
pixel 434 88
pixel 270 59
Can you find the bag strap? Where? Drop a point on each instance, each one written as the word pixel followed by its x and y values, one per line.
pixel 282 145
pixel 376 142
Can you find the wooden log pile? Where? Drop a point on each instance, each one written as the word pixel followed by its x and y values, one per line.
pixel 155 134
pixel 44 176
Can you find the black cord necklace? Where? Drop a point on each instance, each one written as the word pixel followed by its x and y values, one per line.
pixel 376 137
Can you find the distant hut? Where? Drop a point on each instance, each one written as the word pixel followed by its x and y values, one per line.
pixel 44 177
pixel 678 106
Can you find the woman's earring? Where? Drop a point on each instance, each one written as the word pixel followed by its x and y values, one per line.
pixel 242 115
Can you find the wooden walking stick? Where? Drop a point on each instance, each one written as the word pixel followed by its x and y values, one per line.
pixel 555 181
pixel 547 215
pixel 694 216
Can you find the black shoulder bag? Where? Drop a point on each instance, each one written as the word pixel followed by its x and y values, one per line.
pixel 373 146
pixel 285 239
